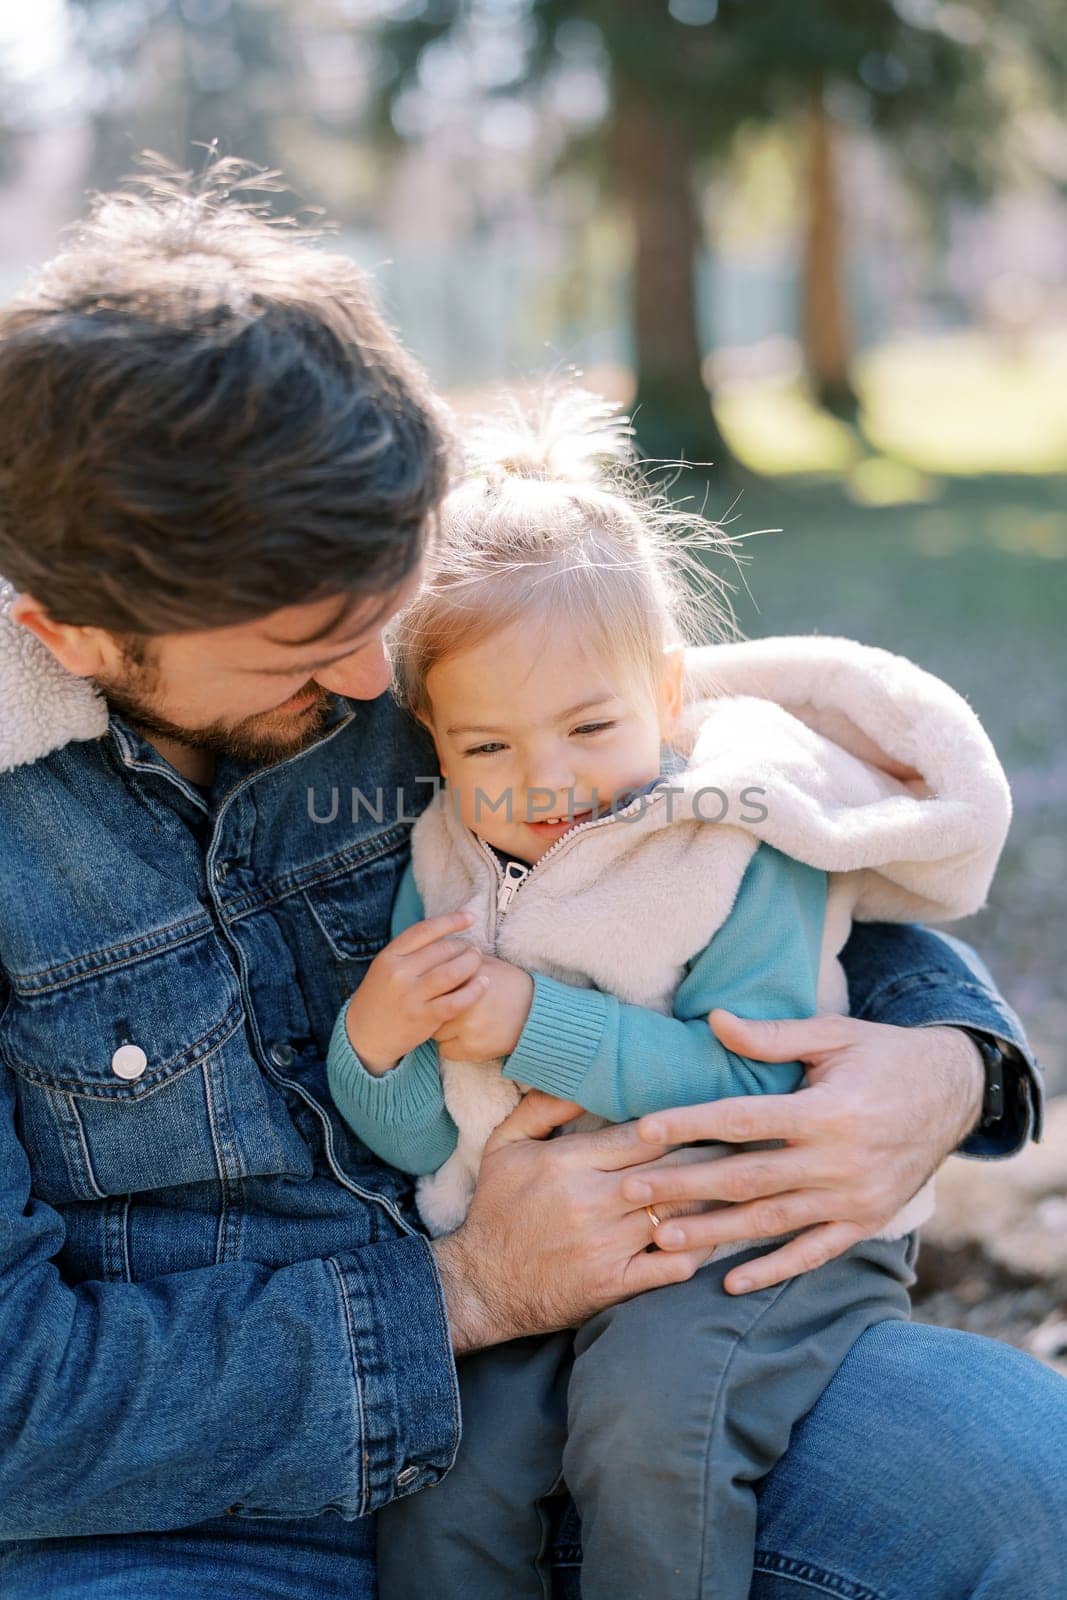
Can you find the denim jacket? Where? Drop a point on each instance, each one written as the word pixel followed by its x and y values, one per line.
pixel 212 1297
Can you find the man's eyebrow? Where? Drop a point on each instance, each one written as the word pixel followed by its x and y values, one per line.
pixel 571 711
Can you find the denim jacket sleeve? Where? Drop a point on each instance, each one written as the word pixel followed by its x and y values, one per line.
pixel 324 1385
pixel 917 977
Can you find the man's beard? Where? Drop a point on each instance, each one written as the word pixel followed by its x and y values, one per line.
pixel 264 736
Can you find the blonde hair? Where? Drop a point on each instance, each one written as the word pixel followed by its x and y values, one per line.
pixel 552 520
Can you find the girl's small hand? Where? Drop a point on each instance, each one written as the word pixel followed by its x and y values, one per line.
pixel 422 980
pixel 491 1026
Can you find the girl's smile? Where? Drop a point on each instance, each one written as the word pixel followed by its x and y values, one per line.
pixel 553 830
pixel 537 734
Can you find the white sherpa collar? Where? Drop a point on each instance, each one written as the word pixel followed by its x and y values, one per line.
pixel 42 706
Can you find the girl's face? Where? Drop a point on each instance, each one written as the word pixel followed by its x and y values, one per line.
pixel 535 734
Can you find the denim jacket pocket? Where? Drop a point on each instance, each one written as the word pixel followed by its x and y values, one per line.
pixel 118 1059
pixel 351 908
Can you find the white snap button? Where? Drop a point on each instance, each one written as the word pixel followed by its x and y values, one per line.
pixel 129 1061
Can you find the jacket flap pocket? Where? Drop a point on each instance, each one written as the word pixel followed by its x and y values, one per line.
pixel 120 1030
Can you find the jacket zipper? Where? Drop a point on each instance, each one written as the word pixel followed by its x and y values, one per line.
pixel 512 877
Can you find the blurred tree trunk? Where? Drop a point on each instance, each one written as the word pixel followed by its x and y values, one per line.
pixel 826 333
pixel 653 160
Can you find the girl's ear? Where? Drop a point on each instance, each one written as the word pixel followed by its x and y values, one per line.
pixel 670 689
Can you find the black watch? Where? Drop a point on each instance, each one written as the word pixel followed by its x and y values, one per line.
pixel 993 1100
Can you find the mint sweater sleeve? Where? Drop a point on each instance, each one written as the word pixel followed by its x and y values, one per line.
pixel 622 1061
pixel 401 1116
pixel 617 1060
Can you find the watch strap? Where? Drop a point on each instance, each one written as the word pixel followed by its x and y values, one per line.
pixel 994 1098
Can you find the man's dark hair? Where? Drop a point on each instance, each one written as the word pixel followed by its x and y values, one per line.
pixel 203 418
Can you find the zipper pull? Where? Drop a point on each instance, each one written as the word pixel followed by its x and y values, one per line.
pixel 515 874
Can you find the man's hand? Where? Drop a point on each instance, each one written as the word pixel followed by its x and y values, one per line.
pixel 491 1025
pixel 550 1238
pixel 423 978
pixel 881 1110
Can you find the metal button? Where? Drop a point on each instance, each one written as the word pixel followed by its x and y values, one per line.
pixel 407 1477
pixel 222 871
pixel 282 1054
pixel 129 1061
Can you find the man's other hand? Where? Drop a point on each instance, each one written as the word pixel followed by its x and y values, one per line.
pixel 881 1109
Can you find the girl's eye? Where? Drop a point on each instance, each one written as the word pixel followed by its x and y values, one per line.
pixel 484 749
pixel 594 727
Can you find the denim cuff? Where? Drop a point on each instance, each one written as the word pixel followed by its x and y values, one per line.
pixel 403 1368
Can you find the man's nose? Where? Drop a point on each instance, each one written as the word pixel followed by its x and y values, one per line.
pixel 362 676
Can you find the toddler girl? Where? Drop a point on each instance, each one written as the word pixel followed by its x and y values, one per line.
pixel 631 834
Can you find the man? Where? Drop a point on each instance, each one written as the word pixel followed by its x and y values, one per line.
pixel 217 1320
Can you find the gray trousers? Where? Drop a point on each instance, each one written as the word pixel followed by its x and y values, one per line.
pixel 660 1415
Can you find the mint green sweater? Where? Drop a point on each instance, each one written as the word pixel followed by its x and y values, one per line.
pixel 616 1060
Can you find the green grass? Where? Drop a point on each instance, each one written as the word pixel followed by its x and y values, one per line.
pixel 958 404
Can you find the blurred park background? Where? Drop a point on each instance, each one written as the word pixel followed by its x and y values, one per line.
pixel 822 246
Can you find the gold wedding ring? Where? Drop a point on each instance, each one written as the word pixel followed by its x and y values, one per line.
pixel 652 1217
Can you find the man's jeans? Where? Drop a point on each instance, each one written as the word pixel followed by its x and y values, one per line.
pixel 931 1469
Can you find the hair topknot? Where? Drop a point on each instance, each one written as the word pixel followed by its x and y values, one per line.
pixel 552 521
pixel 566 435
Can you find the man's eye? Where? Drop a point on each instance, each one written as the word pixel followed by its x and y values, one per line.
pixel 594 727
pixel 484 749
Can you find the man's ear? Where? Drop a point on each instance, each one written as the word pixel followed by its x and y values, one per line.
pixel 671 688
pixel 86 652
